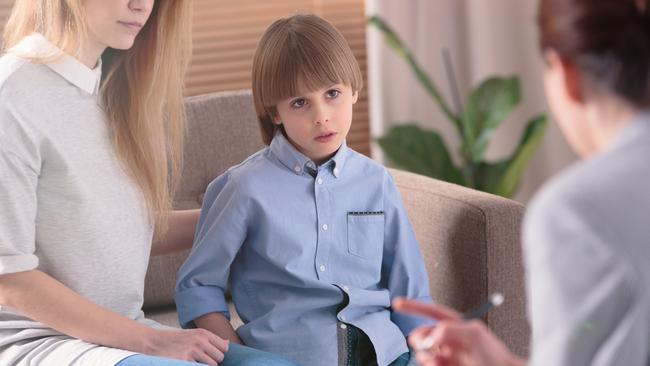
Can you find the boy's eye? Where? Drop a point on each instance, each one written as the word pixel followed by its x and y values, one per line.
pixel 333 93
pixel 298 103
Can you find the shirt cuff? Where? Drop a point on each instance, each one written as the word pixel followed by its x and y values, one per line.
pixel 408 323
pixel 18 263
pixel 194 302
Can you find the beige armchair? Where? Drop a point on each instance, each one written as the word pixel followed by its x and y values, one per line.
pixel 469 239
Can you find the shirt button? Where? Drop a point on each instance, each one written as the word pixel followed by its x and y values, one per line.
pixel 322 268
pixel 343 326
pixel 320 180
pixel 325 227
pixel 336 171
pixel 296 168
pixel 343 318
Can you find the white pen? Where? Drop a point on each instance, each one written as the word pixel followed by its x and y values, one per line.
pixel 494 301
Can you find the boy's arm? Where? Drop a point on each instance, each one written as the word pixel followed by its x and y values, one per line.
pixel 403 269
pixel 203 278
pixel 218 324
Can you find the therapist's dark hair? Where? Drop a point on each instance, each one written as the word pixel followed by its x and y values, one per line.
pixel 609 40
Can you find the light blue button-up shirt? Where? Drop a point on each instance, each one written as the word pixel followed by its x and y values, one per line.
pixel 290 240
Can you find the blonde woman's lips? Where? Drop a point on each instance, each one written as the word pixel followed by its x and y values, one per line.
pixel 133 26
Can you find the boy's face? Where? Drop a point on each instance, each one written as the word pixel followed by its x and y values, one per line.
pixel 316 122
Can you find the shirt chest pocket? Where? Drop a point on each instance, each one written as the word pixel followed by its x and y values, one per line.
pixel 366 234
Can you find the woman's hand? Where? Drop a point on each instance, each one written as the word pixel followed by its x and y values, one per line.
pixel 197 345
pixel 38 296
pixel 454 341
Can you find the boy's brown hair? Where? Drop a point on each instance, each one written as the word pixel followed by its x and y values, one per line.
pixel 305 47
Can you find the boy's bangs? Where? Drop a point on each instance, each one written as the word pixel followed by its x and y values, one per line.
pixel 314 67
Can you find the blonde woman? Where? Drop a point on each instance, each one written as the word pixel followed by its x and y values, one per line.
pixel 90 130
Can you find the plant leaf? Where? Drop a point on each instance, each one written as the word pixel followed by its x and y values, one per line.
pixel 503 177
pixel 420 151
pixel 488 175
pixel 490 103
pixel 398 46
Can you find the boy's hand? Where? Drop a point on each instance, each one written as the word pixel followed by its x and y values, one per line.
pixel 218 324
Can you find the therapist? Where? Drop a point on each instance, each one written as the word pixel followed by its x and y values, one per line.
pixel 587 233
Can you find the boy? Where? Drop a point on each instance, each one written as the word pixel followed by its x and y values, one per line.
pixel 311 236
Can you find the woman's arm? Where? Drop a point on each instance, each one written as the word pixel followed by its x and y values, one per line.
pixel 46 300
pixel 180 235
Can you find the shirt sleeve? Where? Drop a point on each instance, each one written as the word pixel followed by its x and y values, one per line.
pixel 584 306
pixel 18 183
pixel 203 278
pixel 403 269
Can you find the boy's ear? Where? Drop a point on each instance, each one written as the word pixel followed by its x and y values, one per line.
pixel 275 117
pixel 355 97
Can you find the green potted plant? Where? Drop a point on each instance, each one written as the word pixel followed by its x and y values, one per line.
pixel 424 152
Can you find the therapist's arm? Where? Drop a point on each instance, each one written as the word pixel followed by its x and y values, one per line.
pixel 180 233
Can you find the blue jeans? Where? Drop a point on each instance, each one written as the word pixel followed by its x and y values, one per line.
pixel 237 355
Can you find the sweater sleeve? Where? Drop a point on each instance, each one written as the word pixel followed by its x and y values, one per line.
pixel 19 171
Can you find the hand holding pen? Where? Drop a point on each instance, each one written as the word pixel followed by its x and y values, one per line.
pixel 456 339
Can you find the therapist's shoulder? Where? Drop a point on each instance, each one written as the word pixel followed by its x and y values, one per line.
pixel 567 204
pixel 600 197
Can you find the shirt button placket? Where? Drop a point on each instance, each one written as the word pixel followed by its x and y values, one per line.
pixel 322 210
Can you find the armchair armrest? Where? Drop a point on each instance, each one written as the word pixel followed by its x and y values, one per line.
pixel 470 241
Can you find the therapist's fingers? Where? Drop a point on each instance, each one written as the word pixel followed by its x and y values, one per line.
pixel 417 340
pixel 435 311
pixel 435 355
pixel 469 343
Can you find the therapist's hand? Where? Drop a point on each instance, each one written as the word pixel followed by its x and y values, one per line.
pixel 455 341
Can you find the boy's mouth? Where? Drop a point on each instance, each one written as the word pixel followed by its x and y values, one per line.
pixel 325 136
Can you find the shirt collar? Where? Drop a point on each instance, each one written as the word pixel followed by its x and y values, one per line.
pixel 71 69
pixel 297 162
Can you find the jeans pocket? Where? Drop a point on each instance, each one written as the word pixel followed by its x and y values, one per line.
pixel 366 234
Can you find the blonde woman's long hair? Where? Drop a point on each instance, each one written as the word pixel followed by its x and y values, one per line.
pixel 141 89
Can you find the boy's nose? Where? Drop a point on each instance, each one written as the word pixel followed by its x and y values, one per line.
pixel 320 115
